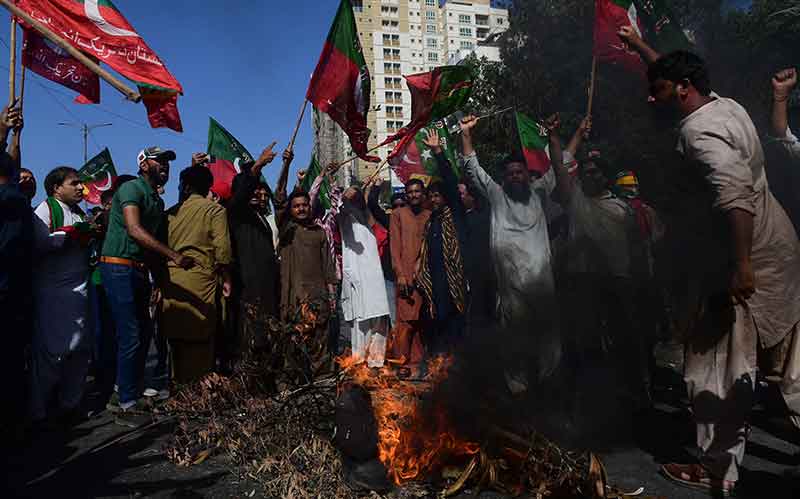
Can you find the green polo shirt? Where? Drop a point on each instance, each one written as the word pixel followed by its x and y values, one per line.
pixel 151 213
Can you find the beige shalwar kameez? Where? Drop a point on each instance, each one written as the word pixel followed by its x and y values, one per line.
pixel 721 140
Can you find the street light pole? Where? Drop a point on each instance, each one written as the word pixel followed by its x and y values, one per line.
pixel 85 129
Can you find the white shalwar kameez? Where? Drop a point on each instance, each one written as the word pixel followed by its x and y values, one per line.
pixel 365 302
pixel 721 140
pixel 61 343
pixel 520 248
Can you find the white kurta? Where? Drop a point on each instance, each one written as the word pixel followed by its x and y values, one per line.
pixel 720 139
pixel 61 338
pixel 520 248
pixel 365 302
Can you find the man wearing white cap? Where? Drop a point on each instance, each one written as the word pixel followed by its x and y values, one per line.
pixel 136 215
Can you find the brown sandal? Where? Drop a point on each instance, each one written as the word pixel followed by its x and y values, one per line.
pixel 696 476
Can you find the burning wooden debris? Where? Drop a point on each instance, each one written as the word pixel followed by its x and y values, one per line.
pixel 416 444
pixel 361 431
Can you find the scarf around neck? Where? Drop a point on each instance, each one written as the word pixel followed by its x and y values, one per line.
pixel 453 263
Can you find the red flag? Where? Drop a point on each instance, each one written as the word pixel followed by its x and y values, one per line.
pixel 340 85
pixel 98 29
pixel 224 172
pixel 162 108
pixel 52 62
pixel 610 16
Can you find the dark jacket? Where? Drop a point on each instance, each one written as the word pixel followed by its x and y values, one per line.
pixel 255 264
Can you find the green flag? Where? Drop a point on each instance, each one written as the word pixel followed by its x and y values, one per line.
pixel 312 172
pixel 97 175
pixel 224 146
pixel 228 158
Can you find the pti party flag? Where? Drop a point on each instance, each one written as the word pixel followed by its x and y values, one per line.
pixel 228 158
pixel 533 139
pixel 98 176
pixel 415 159
pixel 662 30
pixel 99 29
pixel 312 172
pixel 435 95
pixel 50 61
pixel 610 16
pixel 340 85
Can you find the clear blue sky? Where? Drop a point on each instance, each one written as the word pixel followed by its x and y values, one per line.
pixel 245 62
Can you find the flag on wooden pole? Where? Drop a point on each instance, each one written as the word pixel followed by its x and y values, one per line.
pixel 340 85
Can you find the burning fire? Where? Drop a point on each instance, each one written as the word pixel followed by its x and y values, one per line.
pixel 411 443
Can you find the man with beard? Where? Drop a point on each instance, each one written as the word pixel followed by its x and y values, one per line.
pixel 406 232
pixel 749 287
pixel 61 348
pixel 255 261
pixel 441 265
pixel 603 266
pixel 782 84
pixel 365 302
pixel 520 249
pixel 131 246
pixel 308 279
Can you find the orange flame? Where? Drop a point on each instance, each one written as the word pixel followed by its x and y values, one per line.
pixel 410 443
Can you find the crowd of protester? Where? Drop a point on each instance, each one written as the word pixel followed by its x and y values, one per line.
pixel 397 285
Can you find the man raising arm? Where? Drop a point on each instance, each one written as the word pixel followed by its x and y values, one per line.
pixel 782 84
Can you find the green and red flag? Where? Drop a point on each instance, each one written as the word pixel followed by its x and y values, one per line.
pixel 228 158
pixel 98 176
pixel 610 16
pixel 533 139
pixel 312 172
pixel 98 28
pixel 434 96
pixel 662 30
pixel 415 159
pixel 340 85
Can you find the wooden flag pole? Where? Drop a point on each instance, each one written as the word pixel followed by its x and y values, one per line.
pixel 21 87
pixel 77 54
pixel 374 174
pixel 336 167
pixel 591 86
pixel 297 126
pixel 12 70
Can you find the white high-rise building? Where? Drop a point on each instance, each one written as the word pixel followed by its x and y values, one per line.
pixel 403 37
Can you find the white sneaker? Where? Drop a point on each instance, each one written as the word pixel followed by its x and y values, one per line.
pixel 158 394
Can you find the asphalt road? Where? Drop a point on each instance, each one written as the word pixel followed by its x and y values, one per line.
pixel 75 464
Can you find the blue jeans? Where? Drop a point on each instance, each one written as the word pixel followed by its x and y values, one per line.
pixel 128 290
pixel 105 350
